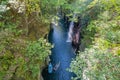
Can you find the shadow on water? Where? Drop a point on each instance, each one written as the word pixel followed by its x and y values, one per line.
pixel 61 53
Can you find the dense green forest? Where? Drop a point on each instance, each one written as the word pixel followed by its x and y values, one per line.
pixel 24 46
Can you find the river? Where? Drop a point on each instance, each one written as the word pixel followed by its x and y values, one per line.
pixel 62 53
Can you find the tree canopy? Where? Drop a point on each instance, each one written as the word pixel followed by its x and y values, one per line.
pixel 25 23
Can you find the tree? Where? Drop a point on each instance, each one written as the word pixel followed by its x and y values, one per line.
pixel 100 60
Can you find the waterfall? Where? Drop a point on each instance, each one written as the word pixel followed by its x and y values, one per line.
pixel 70 32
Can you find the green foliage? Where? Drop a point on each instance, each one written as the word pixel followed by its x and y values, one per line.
pixel 19 58
pixel 100 60
pixel 3 1
pixel 36 47
pixel 50 8
pixel 37 51
pixel 21 61
pixel 96 64
pixel 32 6
pixel 10 52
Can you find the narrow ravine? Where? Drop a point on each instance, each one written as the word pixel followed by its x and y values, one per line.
pixel 62 53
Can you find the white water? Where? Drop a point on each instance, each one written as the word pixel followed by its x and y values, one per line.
pixel 70 32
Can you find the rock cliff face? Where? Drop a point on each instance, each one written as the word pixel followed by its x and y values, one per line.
pixel 76 38
pixel 32 26
pixel 36 31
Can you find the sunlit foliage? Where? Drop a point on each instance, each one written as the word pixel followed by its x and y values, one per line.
pixel 100 60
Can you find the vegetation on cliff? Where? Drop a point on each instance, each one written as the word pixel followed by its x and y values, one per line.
pixel 24 23
pixel 100 60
